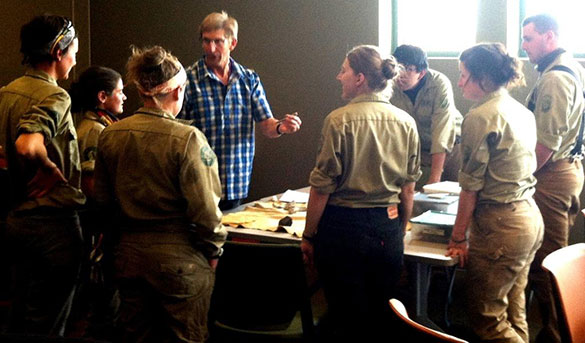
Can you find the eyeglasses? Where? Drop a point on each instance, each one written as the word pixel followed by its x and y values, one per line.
pixel 408 69
pixel 67 31
pixel 217 42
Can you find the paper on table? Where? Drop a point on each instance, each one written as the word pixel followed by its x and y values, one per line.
pixel 443 187
pixel 267 219
pixel 435 218
pixel 296 196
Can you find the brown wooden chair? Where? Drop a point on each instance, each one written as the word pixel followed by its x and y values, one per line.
pixel 567 270
pixel 417 332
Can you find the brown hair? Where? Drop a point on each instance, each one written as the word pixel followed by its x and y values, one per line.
pixel 150 67
pixel 542 23
pixel 366 59
pixel 492 67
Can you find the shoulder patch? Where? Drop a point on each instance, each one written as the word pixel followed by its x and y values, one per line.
pixel 444 104
pixel 546 103
pixel 207 156
pixel 90 153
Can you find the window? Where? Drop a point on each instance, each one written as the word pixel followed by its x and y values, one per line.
pixel 569 14
pixel 441 28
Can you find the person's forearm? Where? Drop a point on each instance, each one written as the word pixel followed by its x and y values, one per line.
pixel 268 128
pixel 467 202
pixel 30 147
pixel 437 165
pixel 315 208
pixel 406 203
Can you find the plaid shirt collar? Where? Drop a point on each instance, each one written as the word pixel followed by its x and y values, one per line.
pixel 236 70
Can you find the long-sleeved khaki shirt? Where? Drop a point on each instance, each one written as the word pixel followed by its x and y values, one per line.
pixel 160 172
pixel 558 107
pixel 369 150
pixel 34 103
pixel 498 139
pixel 437 119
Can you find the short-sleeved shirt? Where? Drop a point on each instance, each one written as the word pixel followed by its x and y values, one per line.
pixel 34 103
pixel 437 119
pixel 559 105
pixel 89 129
pixel 369 149
pixel 498 142
pixel 226 115
pixel 156 169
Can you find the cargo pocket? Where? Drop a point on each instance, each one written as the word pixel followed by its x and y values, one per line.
pixel 183 279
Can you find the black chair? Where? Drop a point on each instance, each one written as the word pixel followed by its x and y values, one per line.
pixel 259 290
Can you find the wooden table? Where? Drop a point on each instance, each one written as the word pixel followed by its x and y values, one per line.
pixel 423 254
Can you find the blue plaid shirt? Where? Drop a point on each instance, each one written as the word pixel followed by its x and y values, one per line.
pixel 226 115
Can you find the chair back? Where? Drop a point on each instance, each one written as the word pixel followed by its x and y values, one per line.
pixel 567 270
pixel 417 332
pixel 260 287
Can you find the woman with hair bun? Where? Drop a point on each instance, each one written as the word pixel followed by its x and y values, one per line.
pixel 160 177
pixel 361 197
pixel 505 226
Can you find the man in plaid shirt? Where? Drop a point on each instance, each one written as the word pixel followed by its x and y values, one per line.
pixel 224 99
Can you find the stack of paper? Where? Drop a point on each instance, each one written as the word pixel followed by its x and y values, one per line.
pixel 433 226
pixel 449 187
pixel 441 202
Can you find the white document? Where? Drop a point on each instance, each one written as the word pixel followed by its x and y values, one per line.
pixel 296 196
pixel 450 187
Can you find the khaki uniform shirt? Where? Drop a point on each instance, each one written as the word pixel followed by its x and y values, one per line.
pixel 497 145
pixel 155 169
pixel 368 150
pixel 559 105
pixel 34 103
pixel 437 119
pixel 89 129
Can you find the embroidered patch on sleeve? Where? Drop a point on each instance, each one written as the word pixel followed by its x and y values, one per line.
pixel 444 104
pixel 546 103
pixel 90 153
pixel 207 156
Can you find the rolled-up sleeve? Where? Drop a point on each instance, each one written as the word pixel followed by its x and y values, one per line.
pixel 413 167
pixel 552 110
pixel 329 166
pixel 445 120
pixel 475 153
pixel 46 116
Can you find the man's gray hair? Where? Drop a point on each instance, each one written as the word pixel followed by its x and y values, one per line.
pixel 218 21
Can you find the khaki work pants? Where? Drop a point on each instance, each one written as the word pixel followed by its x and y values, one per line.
pixel 502 243
pixel 557 196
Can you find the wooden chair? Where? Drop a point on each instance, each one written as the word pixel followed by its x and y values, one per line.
pixel 259 291
pixel 567 270
pixel 417 332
